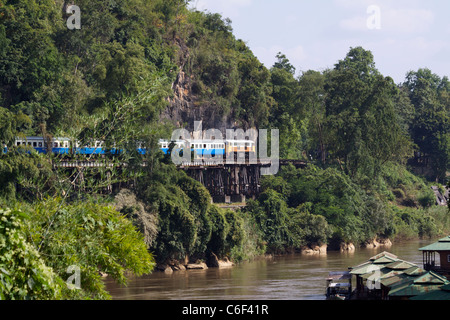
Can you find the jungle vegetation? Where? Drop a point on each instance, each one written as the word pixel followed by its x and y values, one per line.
pixel 112 79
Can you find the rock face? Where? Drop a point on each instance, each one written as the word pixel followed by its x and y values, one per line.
pixel 184 108
pixel 186 105
pixel 195 266
pixel 175 265
pixel 315 249
pixel 375 243
pixel 347 247
pixel 214 262
pixel 164 268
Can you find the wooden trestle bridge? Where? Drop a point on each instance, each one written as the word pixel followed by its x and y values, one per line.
pixel 226 182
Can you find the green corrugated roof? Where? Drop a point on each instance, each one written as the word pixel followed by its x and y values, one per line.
pixel 383 273
pixel 431 278
pixel 412 290
pixel 446 239
pixel 384 254
pixel 400 265
pixel 414 276
pixel 384 260
pixel 375 273
pixel 415 271
pixel 441 245
pixel 413 286
pixel 375 263
pixel 390 281
pixel 437 295
pixel 393 273
pixel 368 268
pixel 446 287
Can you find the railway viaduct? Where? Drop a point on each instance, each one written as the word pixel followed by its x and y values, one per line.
pixel 226 182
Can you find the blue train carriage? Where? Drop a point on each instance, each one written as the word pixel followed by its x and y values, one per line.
pixel 61 146
pixel 92 148
pixel 37 143
pixel 164 145
pixel 207 148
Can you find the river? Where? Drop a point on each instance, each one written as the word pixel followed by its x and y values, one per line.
pixel 292 277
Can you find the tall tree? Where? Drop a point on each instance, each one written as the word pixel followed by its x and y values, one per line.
pixel 364 129
pixel 431 127
pixel 286 114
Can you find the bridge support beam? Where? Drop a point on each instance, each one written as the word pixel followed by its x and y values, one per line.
pixel 228 183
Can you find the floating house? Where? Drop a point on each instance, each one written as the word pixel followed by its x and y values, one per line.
pixel 368 273
pixel 387 277
pixel 442 248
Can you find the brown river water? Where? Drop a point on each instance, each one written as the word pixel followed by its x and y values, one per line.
pixel 292 277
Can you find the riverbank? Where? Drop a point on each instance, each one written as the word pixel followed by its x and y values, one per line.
pixel 214 262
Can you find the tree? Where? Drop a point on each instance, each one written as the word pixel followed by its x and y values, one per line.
pixel 364 128
pixel 286 114
pixel 312 107
pixel 271 214
pixel 431 127
pixel 284 64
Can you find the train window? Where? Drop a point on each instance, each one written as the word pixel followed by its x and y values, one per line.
pixel 34 144
pixel 204 146
pixel 29 143
pixel 18 143
pixel 40 144
pixel 55 145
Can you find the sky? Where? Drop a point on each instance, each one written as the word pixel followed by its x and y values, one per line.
pixel 403 35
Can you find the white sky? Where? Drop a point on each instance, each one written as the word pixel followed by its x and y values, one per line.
pixel 314 35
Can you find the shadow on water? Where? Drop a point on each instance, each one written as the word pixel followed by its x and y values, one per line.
pixel 292 277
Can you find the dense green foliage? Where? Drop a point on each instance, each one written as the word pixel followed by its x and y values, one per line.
pixel 114 78
pixel 40 242
pixel 24 274
pixel 305 207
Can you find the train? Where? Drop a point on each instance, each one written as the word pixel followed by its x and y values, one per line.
pixel 200 148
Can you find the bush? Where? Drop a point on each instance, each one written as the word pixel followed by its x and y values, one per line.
pixel 23 273
pixel 427 199
pixel 93 237
pixel 307 229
